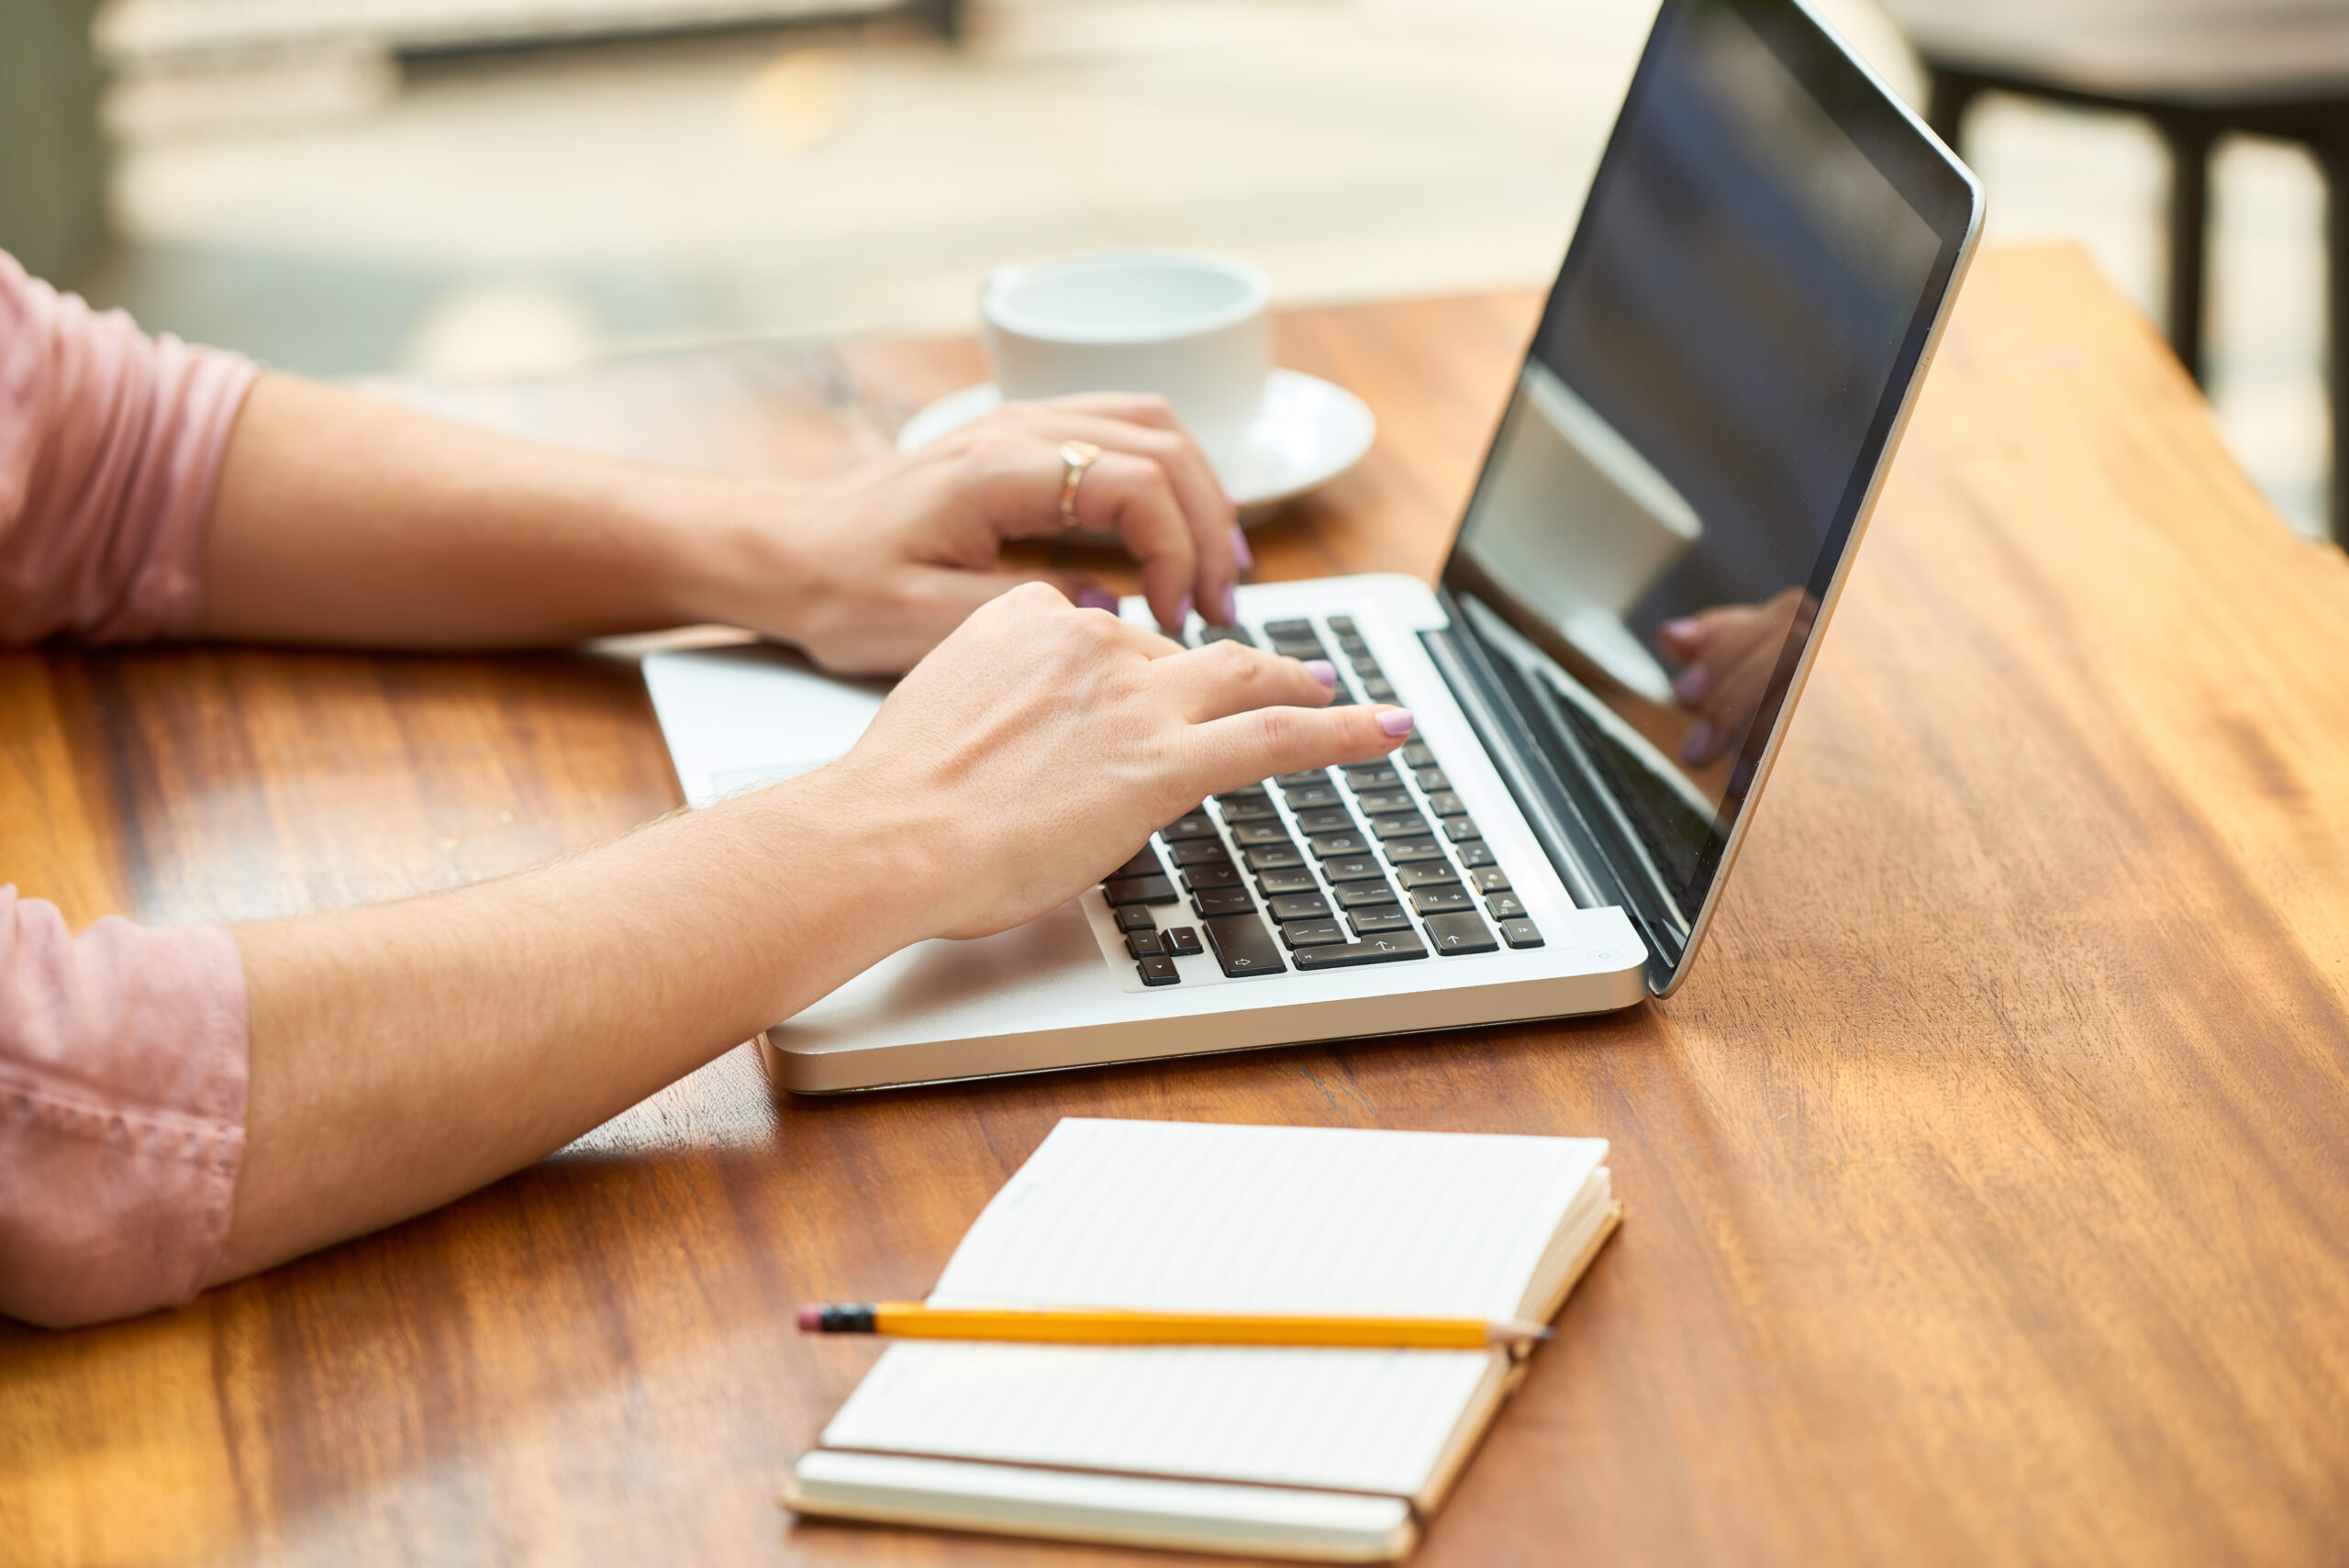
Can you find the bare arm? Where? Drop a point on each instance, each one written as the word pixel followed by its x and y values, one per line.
pixel 346 520
pixel 406 1053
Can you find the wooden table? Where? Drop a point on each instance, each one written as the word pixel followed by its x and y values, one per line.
pixel 1988 1185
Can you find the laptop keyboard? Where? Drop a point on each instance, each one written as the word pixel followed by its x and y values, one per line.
pixel 1327 869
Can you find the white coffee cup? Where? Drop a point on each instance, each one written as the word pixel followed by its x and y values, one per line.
pixel 1184 324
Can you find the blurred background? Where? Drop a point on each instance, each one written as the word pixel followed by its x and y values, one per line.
pixel 486 188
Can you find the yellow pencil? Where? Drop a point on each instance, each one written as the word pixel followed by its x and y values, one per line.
pixel 912 1321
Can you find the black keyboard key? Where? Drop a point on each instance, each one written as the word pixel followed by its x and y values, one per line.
pixel 1289 628
pixel 1337 846
pixel 1199 852
pixel 1443 803
pixel 1387 947
pixel 1505 906
pixel 1222 873
pixel 1225 634
pixel 1377 918
pixel 1253 791
pixel 1489 879
pixel 1222 900
pixel 1326 819
pixel 1402 825
pixel 1353 868
pixel 1243 946
pixel 1372 775
pixel 1521 933
pixel 1408 851
pixel 1460 933
pixel 1139 890
pixel 1144 863
pixel 1248 808
pixel 1135 917
pixel 1282 856
pixel 1430 779
pixel 1426 875
pixel 1341 697
pixel 1199 825
pixel 1351 645
pixel 1361 895
pixel 1300 906
pixel 1300 647
pixel 1417 756
pixel 1474 855
pixel 1377 688
pixel 1183 941
pixel 1459 829
pixel 1364 666
pixel 1311 933
pixel 1443 899
pixel 1146 944
pixel 1306 797
pixel 1247 835
pixel 1309 775
pixel 1378 801
pixel 1159 972
pixel 1343 625
pixel 1271 883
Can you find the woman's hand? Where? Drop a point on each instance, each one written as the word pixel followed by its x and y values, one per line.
pixel 1041 745
pixel 868 569
pixel 1730 651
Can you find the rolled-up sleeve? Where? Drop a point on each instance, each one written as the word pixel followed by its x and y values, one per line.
pixel 122 1111
pixel 110 443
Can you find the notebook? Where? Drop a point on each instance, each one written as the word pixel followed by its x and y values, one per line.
pixel 1335 1455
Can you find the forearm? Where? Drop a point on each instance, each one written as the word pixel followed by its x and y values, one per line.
pixel 404 1054
pixel 341 519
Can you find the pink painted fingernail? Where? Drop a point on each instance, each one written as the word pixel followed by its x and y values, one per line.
pixel 1692 685
pixel 1232 606
pixel 1396 721
pixel 1322 671
pixel 1240 550
pixel 1679 629
pixel 1697 742
pixel 1098 599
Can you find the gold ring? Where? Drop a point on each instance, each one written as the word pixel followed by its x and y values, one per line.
pixel 1077 456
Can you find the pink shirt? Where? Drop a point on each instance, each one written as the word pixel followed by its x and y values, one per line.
pixel 122 1051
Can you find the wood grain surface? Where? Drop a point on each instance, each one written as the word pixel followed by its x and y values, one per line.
pixel 1988 1184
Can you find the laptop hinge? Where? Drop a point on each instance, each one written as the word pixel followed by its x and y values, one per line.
pixel 1576 850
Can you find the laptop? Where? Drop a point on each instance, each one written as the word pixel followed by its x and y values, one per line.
pixel 1764 261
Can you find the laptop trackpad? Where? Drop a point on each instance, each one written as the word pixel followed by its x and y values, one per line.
pixel 743 716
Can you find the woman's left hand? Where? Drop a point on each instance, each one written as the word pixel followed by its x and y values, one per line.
pixel 874 566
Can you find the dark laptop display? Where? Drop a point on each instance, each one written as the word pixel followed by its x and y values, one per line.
pixel 1712 392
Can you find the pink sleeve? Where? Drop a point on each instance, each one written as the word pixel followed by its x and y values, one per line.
pixel 109 441
pixel 122 1112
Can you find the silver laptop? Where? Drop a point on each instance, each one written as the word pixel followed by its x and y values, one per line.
pixel 1764 263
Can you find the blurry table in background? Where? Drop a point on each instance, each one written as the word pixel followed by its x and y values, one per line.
pixel 2198 70
pixel 1988 1199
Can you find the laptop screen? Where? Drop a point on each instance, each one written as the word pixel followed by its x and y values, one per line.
pixel 1723 358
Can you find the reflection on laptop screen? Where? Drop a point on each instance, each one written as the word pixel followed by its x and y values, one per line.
pixel 1708 395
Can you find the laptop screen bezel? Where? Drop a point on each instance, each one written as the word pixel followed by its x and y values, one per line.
pixel 1947 196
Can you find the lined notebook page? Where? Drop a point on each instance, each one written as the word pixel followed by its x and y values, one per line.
pixel 1197 1216
pixel 1193 1216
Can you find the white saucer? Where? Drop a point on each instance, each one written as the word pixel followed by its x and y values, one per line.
pixel 1307 432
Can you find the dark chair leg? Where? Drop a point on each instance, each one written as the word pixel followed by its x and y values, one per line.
pixel 2189 142
pixel 946 15
pixel 2335 160
pixel 1954 93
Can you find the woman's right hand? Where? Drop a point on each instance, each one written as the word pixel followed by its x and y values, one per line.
pixel 1041 745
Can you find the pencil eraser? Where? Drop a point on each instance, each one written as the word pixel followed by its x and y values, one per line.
pixel 811 1319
